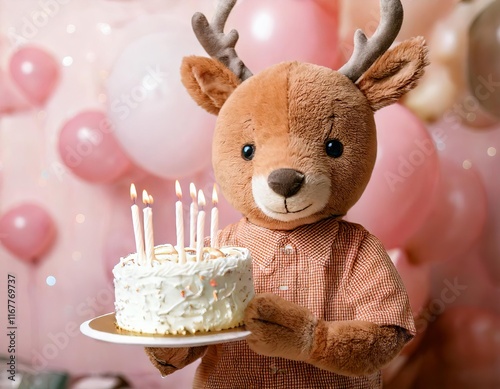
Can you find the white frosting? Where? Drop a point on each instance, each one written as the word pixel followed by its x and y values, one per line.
pixel 176 298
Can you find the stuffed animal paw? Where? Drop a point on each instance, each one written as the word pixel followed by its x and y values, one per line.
pixel 279 328
pixel 169 360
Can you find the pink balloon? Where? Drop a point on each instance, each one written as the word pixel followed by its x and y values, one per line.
pixel 11 100
pixel 398 197
pixel 481 149
pixel 157 123
pixel 285 30
pixel 473 279
pixel 460 350
pixel 35 72
pixel 456 219
pixel 27 231
pixel 416 279
pixel 330 6
pixel 490 242
pixel 87 145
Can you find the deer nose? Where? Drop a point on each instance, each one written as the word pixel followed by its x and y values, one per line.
pixel 286 182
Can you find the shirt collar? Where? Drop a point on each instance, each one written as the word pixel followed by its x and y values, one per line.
pixel 314 239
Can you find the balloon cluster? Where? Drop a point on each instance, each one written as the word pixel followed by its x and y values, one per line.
pixel 150 126
pixel 432 196
pixel 416 195
pixel 27 230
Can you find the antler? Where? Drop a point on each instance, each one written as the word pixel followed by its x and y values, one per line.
pixel 216 43
pixel 367 51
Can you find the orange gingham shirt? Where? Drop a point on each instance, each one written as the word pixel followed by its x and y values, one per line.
pixel 337 270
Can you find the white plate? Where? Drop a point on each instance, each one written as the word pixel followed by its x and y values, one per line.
pixel 104 328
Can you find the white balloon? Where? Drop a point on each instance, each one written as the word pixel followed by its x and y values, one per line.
pixel 157 123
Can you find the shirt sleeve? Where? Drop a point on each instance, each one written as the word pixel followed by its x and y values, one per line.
pixel 375 289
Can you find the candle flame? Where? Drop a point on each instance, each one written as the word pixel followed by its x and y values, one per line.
pixel 133 192
pixel 215 197
pixel 151 200
pixel 178 190
pixel 192 191
pixel 145 197
pixel 201 199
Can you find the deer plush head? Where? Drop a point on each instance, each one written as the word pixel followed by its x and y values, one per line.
pixel 296 143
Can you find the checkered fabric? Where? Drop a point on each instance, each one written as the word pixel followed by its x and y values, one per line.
pixel 337 270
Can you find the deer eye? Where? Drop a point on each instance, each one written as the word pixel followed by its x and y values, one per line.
pixel 247 152
pixel 334 148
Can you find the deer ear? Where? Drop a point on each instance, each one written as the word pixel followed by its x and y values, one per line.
pixel 208 82
pixel 395 73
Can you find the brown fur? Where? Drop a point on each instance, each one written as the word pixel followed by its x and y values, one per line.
pixel 291 334
pixel 356 348
pixel 169 360
pixel 288 111
pixel 282 329
pixel 208 82
pixel 395 73
pixel 290 133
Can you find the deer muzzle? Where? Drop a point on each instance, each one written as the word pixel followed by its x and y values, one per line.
pixel 286 182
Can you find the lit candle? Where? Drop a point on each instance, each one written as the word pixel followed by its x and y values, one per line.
pixel 214 220
pixel 148 227
pixel 200 226
pixel 139 240
pixel 193 215
pixel 179 223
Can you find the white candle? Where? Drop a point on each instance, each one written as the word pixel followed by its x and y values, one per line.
pixel 200 226
pixel 179 223
pixel 193 215
pixel 148 228
pixel 214 220
pixel 139 240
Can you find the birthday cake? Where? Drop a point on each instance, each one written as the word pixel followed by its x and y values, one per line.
pixel 174 295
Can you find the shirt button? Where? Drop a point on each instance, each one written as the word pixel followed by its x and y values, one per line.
pixel 288 249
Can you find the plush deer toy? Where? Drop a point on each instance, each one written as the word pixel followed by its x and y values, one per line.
pixel 293 150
